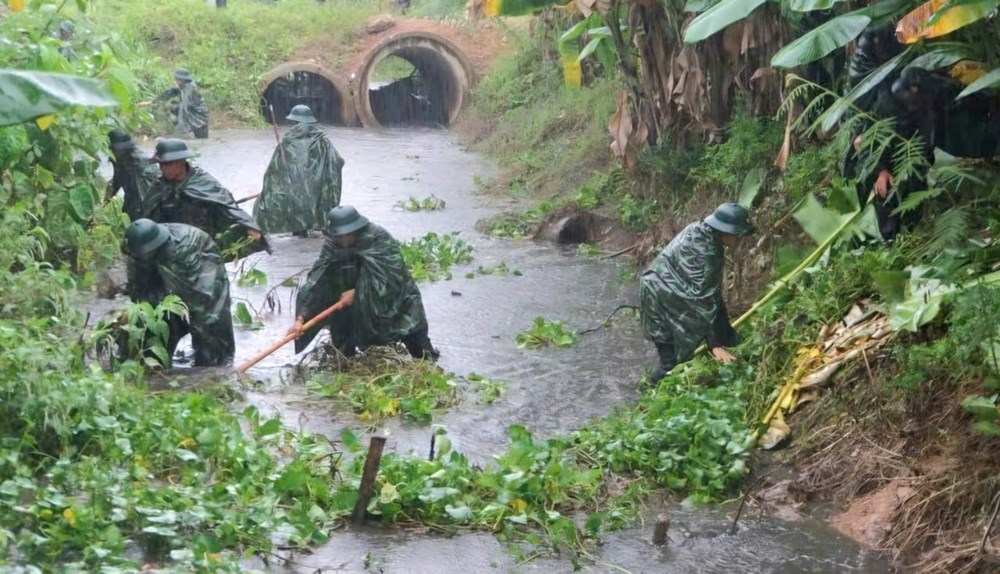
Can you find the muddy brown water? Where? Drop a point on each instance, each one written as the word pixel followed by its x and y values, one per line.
pixel 473 322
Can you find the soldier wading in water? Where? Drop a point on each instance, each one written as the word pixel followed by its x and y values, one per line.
pixel 362 266
pixel 680 295
pixel 174 258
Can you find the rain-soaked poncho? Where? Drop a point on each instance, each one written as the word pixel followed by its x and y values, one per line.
pixel 387 304
pixel 302 182
pixel 134 174
pixel 189 266
pixel 192 112
pixel 680 295
pixel 201 201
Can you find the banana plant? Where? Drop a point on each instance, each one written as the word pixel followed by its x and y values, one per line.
pixel 600 45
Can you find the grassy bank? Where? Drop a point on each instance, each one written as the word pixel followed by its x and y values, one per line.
pixel 228 50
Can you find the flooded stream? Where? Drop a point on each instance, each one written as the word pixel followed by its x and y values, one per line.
pixel 473 323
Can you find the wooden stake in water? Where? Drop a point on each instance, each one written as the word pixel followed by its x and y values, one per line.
pixel 367 488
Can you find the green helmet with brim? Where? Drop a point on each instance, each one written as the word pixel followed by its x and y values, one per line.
pixel 145 236
pixel 345 219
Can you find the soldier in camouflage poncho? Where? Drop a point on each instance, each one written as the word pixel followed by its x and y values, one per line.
pixel 173 258
pixel 303 180
pixel 680 295
pixel 362 265
pixel 134 173
pixel 191 112
pixel 188 194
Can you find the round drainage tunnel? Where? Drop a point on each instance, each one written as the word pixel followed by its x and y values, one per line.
pixel 295 83
pixel 415 79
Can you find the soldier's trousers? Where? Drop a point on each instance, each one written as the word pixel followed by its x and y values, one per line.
pixel 418 344
pixel 214 344
pixel 668 360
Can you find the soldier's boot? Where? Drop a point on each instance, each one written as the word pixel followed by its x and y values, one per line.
pixel 418 344
pixel 668 360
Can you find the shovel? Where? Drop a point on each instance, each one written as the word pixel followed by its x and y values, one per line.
pixel 291 337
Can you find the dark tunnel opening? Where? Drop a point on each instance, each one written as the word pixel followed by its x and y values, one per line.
pixel 302 87
pixel 414 86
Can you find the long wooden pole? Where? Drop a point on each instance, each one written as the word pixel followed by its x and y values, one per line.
pixel 247 198
pixel 367 488
pixel 274 124
pixel 289 338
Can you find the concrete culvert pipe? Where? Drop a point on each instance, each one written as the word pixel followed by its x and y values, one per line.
pixel 294 83
pixel 432 93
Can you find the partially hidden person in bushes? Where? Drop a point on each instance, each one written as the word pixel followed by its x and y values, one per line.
pixel 134 173
pixel 190 112
pixel 179 259
pixel 185 193
pixel 921 104
pixel 362 266
pixel 680 295
pixel 303 181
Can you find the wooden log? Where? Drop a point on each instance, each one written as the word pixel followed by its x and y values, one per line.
pixel 367 488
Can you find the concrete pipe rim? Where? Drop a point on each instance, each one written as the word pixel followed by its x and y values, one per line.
pixel 348 111
pixel 462 69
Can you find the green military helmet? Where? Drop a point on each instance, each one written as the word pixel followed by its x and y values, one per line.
pixel 120 140
pixel 731 218
pixel 182 74
pixel 145 236
pixel 172 150
pixel 345 219
pixel 301 114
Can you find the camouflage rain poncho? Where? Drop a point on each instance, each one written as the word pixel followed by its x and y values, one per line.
pixel 201 201
pixel 134 174
pixel 387 305
pixel 681 293
pixel 192 112
pixel 189 266
pixel 302 182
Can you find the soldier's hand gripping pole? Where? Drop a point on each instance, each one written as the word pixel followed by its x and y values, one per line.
pixel 291 337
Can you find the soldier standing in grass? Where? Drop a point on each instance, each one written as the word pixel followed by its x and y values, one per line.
pixel 188 194
pixel 173 258
pixel 190 113
pixel 303 181
pixel 362 266
pixel 680 294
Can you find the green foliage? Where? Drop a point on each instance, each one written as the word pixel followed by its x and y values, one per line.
pixel 227 50
pixel 588 250
pixel 436 9
pixel 93 463
pixel 548 137
pixel 637 213
pixel 534 484
pixel 48 171
pixel 751 144
pixel 430 203
pixel 414 391
pixel 488 388
pixel 430 257
pixel 251 278
pixel 545 333
pixel 498 269
pixel 689 434
pixel 140 332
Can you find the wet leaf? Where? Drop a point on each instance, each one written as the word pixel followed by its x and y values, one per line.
pixel 990 80
pixel 982 407
pixel 718 17
pixel 821 40
pixel 929 20
pixel 462 514
pixel 26 95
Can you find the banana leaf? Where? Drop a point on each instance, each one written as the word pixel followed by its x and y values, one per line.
pixel 718 17
pixel 939 17
pixel 942 55
pixel 990 80
pixel 810 5
pixel 822 40
pixel 26 95
pixel 832 115
pixel 515 7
